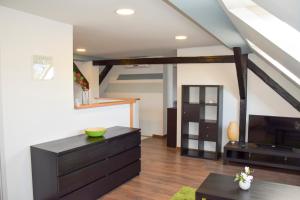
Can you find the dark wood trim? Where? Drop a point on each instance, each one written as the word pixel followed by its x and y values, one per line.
pixel 274 85
pixel 243 119
pixel 167 60
pixel 104 73
pixel 241 71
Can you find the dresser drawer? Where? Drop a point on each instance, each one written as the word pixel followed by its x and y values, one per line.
pixel 119 161
pixel 82 177
pixel 98 188
pixel 125 174
pixel 209 132
pixel 90 192
pixel 81 158
pixel 124 143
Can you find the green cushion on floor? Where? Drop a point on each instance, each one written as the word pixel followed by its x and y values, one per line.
pixel 185 193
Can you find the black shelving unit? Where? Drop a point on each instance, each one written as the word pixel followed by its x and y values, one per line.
pixel 201 120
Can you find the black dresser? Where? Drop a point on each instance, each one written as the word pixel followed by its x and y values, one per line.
pixel 83 168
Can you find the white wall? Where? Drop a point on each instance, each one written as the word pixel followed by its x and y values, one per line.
pixel 149 91
pixel 2 161
pixel 261 99
pixel 91 73
pixel 39 111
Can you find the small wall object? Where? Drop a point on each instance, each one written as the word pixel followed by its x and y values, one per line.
pixel 233 132
pixel 42 68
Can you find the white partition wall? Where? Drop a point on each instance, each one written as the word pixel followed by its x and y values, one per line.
pixel 1 137
pixel 39 111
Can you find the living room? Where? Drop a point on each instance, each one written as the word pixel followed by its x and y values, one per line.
pixel 231 86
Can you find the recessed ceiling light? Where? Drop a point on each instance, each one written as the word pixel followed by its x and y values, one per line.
pixel 180 37
pixel 81 50
pixel 125 11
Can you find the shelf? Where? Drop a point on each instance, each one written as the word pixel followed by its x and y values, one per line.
pixel 199 153
pixel 210 104
pixel 192 103
pixel 190 152
pixel 201 104
pixel 205 104
pixel 209 121
pixel 190 137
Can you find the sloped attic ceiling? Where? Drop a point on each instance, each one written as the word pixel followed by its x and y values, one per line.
pixel 210 16
pixel 287 10
pixel 220 18
pixel 270 34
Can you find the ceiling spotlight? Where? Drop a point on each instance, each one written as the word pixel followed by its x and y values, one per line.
pixel 81 50
pixel 125 11
pixel 180 37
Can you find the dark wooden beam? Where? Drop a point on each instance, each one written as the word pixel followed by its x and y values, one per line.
pixel 104 73
pixel 243 119
pixel 241 71
pixel 274 85
pixel 167 60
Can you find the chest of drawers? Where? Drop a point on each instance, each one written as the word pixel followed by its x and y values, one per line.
pixel 79 167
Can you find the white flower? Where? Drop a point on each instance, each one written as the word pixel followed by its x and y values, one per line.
pixel 244 175
pixel 249 178
pixel 247 170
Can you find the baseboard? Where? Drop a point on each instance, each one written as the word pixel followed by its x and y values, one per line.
pixel 159 136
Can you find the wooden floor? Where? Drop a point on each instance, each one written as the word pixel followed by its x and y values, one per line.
pixel 164 172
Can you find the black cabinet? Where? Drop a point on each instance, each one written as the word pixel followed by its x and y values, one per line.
pixel 85 168
pixel 172 127
pixel 253 154
pixel 201 121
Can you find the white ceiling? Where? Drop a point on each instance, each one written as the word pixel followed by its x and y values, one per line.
pixel 150 32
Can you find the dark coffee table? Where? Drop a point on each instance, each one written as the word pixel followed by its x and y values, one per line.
pixel 221 187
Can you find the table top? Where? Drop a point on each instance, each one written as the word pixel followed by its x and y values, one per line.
pixel 217 186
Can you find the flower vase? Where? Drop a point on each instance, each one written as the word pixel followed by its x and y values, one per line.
pixel 245 185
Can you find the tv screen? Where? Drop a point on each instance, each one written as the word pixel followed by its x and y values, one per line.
pixel 274 131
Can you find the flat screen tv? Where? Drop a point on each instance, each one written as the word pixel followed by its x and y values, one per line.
pixel 274 131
